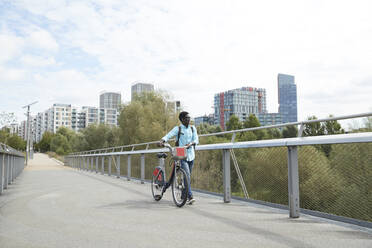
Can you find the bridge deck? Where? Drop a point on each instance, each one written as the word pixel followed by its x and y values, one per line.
pixel 50 205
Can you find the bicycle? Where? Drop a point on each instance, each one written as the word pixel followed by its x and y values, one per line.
pixel 178 178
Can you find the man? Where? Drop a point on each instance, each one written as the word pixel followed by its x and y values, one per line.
pixel 188 137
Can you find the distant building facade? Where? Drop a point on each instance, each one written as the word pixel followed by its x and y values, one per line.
pixel 267 119
pixel 64 115
pixel 239 102
pixel 138 88
pixel 287 98
pixel 205 119
pixel 111 100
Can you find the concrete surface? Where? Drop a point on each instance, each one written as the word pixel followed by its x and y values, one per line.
pixel 50 205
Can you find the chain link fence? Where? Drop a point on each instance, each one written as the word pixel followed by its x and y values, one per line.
pixel 337 179
pixel 334 179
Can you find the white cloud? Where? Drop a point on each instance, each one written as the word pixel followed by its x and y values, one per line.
pixel 37 61
pixel 199 48
pixel 42 39
pixel 10 46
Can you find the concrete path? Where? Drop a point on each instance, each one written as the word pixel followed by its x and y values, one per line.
pixel 50 205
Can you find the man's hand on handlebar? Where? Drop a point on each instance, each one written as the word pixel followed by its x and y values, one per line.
pixel 161 143
pixel 190 145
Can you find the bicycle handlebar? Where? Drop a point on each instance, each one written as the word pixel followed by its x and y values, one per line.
pixel 168 146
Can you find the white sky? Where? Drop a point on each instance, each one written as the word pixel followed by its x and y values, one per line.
pixel 68 51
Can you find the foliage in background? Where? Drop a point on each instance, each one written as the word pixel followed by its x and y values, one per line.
pixel 12 140
pixel 147 118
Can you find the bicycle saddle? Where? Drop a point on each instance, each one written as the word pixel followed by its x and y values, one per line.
pixel 162 155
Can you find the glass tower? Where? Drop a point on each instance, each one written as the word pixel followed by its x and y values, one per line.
pixel 287 97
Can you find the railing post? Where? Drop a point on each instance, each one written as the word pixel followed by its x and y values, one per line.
pixel 129 168
pixel 6 167
pixel 226 175
pixel 10 169
pixel 91 163
pixel 97 164
pixel 2 173
pixel 293 183
pixel 109 165
pixel 118 166
pixel 103 165
pixel 142 168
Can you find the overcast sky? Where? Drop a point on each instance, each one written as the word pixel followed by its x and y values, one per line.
pixel 69 51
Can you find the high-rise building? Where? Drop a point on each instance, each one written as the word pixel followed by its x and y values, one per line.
pixel 108 116
pixel 239 102
pixel 138 88
pixel 205 119
pixel 287 97
pixel 111 100
pixel 267 119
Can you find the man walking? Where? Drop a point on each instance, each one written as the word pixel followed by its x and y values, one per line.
pixel 186 136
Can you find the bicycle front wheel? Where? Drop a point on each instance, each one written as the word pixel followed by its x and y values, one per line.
pixel 157 183
pixel 180 187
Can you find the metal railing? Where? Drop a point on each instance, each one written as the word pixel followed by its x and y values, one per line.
pixel 92 160
pixel 12 163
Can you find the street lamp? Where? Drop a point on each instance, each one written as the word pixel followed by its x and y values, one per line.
pixel 28 131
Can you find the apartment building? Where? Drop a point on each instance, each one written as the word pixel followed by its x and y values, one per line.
pixel 240 102
pixel 110 100
pixel 138 87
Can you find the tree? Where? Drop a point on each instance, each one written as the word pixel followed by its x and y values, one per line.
pixel 7 118
pixel 273 133
pixel 98 136
pixel 289 132
pixel 147 118
pixel 313 129
pixel 368 123
pixel 4 135
pixel 60 145
pixel 252 122
pixel 16 142
pixel 44 144
pixel 333 127
pixel 233 123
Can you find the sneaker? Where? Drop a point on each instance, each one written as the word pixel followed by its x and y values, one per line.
pixel 190 201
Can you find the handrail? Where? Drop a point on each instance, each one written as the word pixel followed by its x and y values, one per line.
pixel 299 141
pixel 302 123
pixel 9 150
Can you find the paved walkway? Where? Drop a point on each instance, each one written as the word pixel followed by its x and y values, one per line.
pixel 50 205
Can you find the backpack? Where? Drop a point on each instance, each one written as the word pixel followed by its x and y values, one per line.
pixel 179 134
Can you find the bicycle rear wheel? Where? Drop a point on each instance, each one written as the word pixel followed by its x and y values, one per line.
pixel 180 187
pixel 157 183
